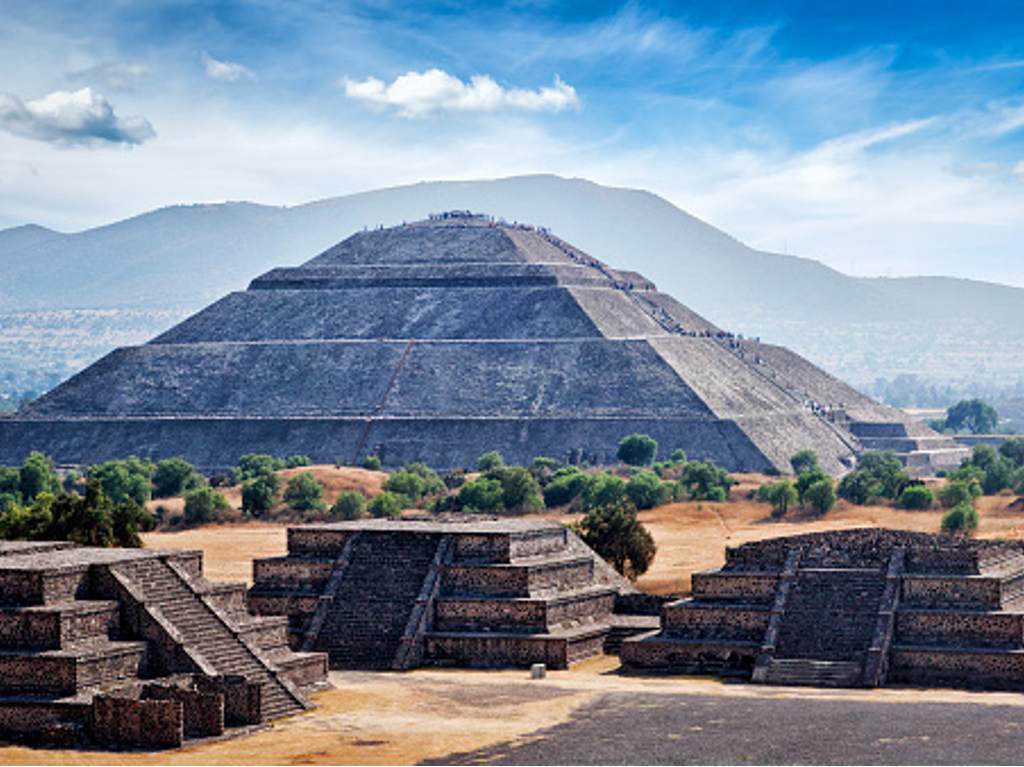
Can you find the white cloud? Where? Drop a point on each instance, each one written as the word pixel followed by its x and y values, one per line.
pixel 1019 168
pixel 71 118
pixel 228 71
pixel 116 75
pixel 419 93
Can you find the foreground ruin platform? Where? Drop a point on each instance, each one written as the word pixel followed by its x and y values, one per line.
pixel 852 608
pixel 134 648
pixel 397 594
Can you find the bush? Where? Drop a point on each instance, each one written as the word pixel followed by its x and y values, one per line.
pixel 489 462
pixel 37 476
pixel 601 490
pixel 121 481
pixel 304 492
pixel 916 497
pixel 781 495
pixel 519 490
pixel 372 463
pixel 637 450
pixel 962 519
pixel 564 487
pixel 386 505
pixel 704 481
pixel 615 533
pixel 958 491
pixel 432 482
pixel 885 468
pixel 646 490
pixel 859 487
pixel 204 505
pixel 406 484
pixel 543 469
pixel 261 494
pixel 482 494
pixel 820 496
pixel 677 456
pixel 808 478
pixel 350 505
pixel 173 476
pixel 295 461
pixel 1013 451
pixel 804 461
pixel 252 465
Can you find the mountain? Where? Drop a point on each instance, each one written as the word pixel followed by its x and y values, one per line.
pixel 179 258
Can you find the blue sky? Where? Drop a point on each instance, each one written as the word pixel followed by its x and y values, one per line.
pixel 881 138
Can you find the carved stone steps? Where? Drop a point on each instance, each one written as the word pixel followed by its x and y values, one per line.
pixel 813 673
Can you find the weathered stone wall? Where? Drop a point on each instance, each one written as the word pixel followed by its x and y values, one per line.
pixel 202 712
pixel 748 587
pixel 959 628
pixel 697 621
pixel 120 722
pixel 242 698
pixel 972 593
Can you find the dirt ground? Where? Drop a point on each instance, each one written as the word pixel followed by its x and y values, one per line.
pixel 691 536
pixel 387 718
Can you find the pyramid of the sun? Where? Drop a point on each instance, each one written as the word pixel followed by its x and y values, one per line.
pixel 440 340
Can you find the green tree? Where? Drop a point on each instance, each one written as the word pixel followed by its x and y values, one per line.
pixel 1013 451
pixel 252 465
pixel 519 490
pixel 637 450
pixel 204 505
pixel 543 469
pixel 372 463
pixel 489 462
pixel 350 505
pixel 806 480
pixel 173 476
pixel 37 476
pixel 804 461
pixel 678 456
pixel 124 480
pixel 705 481
pixel 962 519
pixel 261 494
pixel 482 494
pixel 958 491
pixel 916 497
pixel 295 461
pixel 646 490
pixel 565 485
pixel 781 495
pixel 406 484
pixel 10 487
pixel 615 533
pixel 860 487
pixel 602 489
pixel 820 496
pixel 973 415
pixel 386 506
pixel 304 492
pixel 886 469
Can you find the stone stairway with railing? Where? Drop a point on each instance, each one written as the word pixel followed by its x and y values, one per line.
pixel 205 632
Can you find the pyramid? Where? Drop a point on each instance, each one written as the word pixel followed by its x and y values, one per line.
pixel 439 340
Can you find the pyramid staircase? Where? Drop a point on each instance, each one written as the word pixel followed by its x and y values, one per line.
pixel 379 595
pixel 96 640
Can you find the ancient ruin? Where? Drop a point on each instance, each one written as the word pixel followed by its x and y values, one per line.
pixel 851 608
pixel 134 648
pixel 440 340
pixel 381 594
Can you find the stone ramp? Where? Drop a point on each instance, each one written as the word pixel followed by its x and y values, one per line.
pixel 207 636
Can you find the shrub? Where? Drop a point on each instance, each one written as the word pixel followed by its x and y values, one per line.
pixel 432 482
pixel 37 476
pixel 489 462
pixel 295 461
pixel 543 469
pixel 386 505
pixel 261 494
pixel 565 485
pixel 601 490
pixel 677 456
pixel 252 465
pixel 820 496
pixel 916 497
pixel 804 461
pixel 781 495
pixel 962 519
pixel 519 490
pixel 10 483
pixel 615 533
pixel 124 480
pixel 372 463
pixel 482 494
pixel 637 450
pixel 958 491
pixel 406 484
pixel 859 487
pixel 646 491
pixel 885 468
pixel 204 505
pixel 1013 451
pixel 304 492
pixel 704 481
pixel 349 505
pixel 808 478
pixel 173 476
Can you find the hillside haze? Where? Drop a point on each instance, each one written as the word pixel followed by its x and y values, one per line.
pixel 159 266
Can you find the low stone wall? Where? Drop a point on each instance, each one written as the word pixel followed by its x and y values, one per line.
pixel 202 712
pixel 293 571
pixel 959 628
pixel 746 587
pixel 701 657
pixel 315 541
pixel 242 698
pixel 988 669
pixel 36 587
pixel 971 593
pixel 696 621
pixel 118 722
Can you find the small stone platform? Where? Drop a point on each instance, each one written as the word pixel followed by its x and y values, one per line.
pixel 397 594
pixel 134 648
pixel 852 608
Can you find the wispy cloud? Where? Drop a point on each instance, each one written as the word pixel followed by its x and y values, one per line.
pixel 71 118
pixel 415 94
pixel 115 75
pixel 227 71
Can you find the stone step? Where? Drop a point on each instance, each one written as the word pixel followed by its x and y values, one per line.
pixel 813 673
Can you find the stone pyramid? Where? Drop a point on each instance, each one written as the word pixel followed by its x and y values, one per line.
pixel 440 340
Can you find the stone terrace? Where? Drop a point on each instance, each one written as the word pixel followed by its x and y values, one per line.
pixel 130 647
pixel 398 594
pixel 854 608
